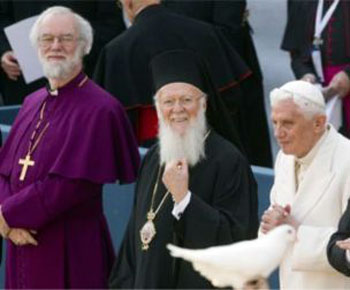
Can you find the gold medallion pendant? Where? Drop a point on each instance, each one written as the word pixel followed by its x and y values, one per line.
pixel 148 231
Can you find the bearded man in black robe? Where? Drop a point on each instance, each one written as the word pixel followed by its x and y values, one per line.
pixel 123 65
pixel 195 188
pixel 231 18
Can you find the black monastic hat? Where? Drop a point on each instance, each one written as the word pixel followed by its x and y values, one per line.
pixel 188 67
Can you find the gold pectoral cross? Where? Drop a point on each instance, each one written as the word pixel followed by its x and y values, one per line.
pixel 25 164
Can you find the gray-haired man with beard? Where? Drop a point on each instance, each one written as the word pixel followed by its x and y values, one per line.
pixel 67 141
pixel 195 188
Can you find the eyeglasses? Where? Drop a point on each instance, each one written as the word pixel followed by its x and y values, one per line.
pixel 185 101
pixel 65 39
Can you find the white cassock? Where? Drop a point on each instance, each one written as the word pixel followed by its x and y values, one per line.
pixel 317 204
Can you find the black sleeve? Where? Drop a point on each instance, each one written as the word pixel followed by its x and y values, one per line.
pixel 107 24
pixel 336 256
pixel 122 275
pixel 6 18
pixel 231 216
pixel 229 14
pixel 295 40
pixel 301 64
pixel 99 71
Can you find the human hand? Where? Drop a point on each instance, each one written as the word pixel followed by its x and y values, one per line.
pixel 339 85
pixel 274 216
pixel 344 244
pixel 309 77
pixel 22 237
pixel 175 178
pixel 10 65
pixel 328 93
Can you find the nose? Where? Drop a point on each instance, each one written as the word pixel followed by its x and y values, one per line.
pixel 178 107
pixel 56 44
pixel 278 131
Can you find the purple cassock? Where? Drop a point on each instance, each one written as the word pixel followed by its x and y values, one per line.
pixel 87 143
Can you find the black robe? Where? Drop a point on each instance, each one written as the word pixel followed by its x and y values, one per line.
pixel 336 256
pixel 299 32
pixel 104 16
pixel 230 18
pixel 123 66
pixel 222 210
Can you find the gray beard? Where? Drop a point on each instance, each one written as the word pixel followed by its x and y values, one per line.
pixel 190 146
pixel 62 69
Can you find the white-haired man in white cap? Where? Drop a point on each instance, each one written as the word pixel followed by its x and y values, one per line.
pixel 312 185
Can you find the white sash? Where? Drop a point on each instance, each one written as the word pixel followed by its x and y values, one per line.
pixel 320 24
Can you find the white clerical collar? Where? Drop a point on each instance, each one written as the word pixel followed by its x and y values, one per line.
pixel 307 159
pixel 53 92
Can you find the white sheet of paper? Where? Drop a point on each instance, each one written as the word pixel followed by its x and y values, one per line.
pixel 334 112
pixel 18 37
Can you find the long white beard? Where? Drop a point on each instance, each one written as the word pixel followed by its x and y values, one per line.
pixel 190 146
pixel 61 69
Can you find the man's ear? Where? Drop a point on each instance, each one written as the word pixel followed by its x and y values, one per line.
pixel 128 6
pixel 320 123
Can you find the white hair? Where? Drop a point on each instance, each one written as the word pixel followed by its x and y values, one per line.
pixel 307 107
pixel 83 26
pixel 190 146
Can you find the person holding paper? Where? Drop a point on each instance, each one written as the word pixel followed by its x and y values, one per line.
pixel 68 139
pixel 317 35
pixel 104 16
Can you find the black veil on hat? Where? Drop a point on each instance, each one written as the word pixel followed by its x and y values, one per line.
pixel 188 67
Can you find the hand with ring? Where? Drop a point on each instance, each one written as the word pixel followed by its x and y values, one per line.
pixel 175 178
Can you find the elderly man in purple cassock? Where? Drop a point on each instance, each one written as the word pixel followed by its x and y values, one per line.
pixel 67 141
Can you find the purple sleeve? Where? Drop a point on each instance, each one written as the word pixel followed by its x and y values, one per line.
pixel 43 201
pixel 5 190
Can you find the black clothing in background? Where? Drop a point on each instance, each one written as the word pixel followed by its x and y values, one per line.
pixel 299 33
pixel 123 66
pixel 230 17
pixel 104 16
pixel 222 210
pixel 337 256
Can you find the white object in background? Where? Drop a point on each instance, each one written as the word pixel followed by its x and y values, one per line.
pixel 236 264
pixel 317 62
pixel 334 112
pixel 321 22
pixel 18 37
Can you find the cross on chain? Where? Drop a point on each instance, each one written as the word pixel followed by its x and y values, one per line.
pixel 25 164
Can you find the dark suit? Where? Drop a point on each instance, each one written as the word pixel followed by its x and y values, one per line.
pixel 336 256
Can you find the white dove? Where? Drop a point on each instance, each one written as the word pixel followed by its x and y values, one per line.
pixel 236 264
